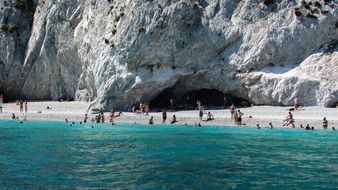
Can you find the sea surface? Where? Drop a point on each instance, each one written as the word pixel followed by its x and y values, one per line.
pixel 55 155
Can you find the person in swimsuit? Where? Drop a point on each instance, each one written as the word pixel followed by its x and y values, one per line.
pixel 232 111
pixel 21 105
pixel 26 106
pixel 200 111
pixel 296 104
pixel 151 120
pixel 1 102
pixel 164 116
pixel 111 116
pixel 325 123
pixel 307 127
pixel 258 127
pixel 239 117
pixel 289 120
pixel 173 120
pixel 200 115
pixel 102 117
pixel 236 117
pixel 210 116
pixel 85 118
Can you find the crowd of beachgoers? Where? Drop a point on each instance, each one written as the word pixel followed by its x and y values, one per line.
pixel 204 116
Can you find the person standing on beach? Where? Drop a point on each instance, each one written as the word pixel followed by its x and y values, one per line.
pixel 146 108
pixel 98 118
pixel 239 117
pixel 164 116
pixel 26 106
pixel 289 120
pixel 171 101
pixel 102 117
pixel 111 116
pixel 151 120
pixel 325 123
pixel 1 102
pixel 85 118
pixel 21 105
pixel 296 104
pixel 200 110
pixel 235 117
pixel 232 111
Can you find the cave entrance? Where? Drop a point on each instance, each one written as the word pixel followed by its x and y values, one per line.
pixel 211 98
pixel 8 97
pixel 170 98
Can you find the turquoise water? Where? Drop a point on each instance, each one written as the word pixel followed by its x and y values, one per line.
pixel 54 155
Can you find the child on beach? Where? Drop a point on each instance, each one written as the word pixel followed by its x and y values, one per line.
pixel 210 116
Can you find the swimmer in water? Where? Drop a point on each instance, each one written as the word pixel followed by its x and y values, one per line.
pixel 271 126
pixel 258 127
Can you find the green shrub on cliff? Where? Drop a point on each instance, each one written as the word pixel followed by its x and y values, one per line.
pixel 9 28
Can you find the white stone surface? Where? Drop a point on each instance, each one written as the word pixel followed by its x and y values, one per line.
pixel 119 52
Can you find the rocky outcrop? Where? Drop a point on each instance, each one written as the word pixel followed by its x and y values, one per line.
pixel 116 53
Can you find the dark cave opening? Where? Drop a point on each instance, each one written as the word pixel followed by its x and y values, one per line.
pixel 211 98
pixel 8 97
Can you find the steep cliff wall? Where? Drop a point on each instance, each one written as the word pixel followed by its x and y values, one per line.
pixel 119 52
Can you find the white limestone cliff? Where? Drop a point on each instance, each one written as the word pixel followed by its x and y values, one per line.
pixel 119 52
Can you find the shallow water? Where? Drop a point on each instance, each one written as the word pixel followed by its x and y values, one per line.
pixel 54 155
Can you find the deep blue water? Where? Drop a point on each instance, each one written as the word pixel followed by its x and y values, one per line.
pixel 54 155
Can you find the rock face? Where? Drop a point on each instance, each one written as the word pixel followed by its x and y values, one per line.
pixel 119 52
